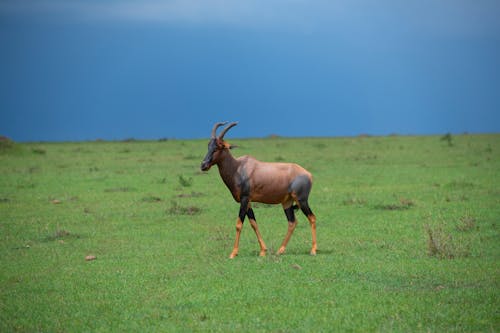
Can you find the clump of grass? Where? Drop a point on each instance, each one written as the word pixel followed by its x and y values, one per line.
pixel 461 197
pixel 39 151
pixel 185 182
pixel 319 145
pixel 190 195
pixel 365 157
pixel 176 209
pixel 25 185
pixel 460 184
pixel 272 256
pixel 406 202
pixel 34 169
pixel 151 198
pixel 442 245
pixel 354 201
pixel 219 234
pixel 60 234
pixel 191 157
pixel 467 223
pixel 438 243
pixel 403 204
pixel 118 189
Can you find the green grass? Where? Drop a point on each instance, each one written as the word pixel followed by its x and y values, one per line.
pixel 408 238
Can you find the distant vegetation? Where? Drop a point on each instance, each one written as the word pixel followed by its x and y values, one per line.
pixel 448 138
pixel 6 144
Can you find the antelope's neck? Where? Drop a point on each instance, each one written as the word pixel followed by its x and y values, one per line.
pixel 228 170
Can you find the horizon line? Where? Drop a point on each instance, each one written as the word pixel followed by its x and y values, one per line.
pixel 266 137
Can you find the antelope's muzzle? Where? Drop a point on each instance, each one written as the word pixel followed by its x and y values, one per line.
pixel 205 165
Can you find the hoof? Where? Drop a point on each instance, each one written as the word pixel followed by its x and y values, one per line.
pixel 281 251
pixel 232 255
pixel 262 253
pixel 313 252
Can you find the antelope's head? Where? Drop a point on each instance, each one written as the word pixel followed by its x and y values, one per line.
pixel 216 146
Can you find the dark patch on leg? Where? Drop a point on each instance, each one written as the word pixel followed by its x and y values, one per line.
pixel 243 209
pixel 242 214
pixel 290 215
pixel 304 206
pixel 250 214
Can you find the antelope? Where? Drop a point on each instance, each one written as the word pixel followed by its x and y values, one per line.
pixel 250 180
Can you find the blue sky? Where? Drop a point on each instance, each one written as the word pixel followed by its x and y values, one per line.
pixel 88 69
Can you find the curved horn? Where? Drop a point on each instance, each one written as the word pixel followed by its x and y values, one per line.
pixel 221 136
pixel 216 126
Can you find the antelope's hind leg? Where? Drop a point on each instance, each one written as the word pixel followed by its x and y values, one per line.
pixel 301 187
pixel 292 223
pixel 304 206
pixel 253 223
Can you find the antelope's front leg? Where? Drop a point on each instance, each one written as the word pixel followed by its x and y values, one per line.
pixel 312 221
pixel 239 227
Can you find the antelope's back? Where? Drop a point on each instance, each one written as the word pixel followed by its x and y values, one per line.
pixel 271 182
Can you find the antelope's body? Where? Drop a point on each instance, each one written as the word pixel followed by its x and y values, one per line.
pixel 250 180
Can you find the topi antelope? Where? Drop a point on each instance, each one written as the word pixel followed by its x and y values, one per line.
pixel 251 180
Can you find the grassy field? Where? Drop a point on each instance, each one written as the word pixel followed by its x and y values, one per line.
pixel 408 238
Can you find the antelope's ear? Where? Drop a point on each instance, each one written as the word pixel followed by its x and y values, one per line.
pixel 227 145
